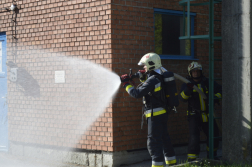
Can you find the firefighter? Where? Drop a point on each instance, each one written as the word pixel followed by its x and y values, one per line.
pixel 158 140
pixel 197 113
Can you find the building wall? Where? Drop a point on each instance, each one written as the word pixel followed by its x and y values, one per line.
pixel 132 37
pixel 46 32
pixel 112 33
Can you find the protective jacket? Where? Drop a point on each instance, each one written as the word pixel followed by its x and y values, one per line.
pixel 196 103
pixel 151 91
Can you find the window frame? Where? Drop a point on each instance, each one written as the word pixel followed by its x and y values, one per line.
pixel 177 13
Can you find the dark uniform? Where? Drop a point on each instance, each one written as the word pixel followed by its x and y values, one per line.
pixel 158 142
pixel 198 115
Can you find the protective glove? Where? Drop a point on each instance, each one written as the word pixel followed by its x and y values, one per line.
pixel 142 75
pixel 190 86
pixel 125 79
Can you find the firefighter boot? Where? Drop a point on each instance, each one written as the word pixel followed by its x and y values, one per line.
pixel 167 165
pixel 192 157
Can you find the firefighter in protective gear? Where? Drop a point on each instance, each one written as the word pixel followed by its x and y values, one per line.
pixel 158 142
pixel 197 112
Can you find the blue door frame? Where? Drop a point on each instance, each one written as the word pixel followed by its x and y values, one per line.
pixel 3 95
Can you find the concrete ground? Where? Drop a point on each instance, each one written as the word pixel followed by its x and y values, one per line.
pixel 180 160
pixel 7 160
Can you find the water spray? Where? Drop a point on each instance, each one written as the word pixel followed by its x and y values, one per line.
pixel 51 109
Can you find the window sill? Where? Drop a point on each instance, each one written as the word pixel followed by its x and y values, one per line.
pixel 177 57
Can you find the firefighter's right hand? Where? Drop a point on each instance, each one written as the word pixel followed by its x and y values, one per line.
pixel 190 86
pixel 125 78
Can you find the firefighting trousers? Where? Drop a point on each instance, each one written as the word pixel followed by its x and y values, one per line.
pixel 159 142
pixel 195 125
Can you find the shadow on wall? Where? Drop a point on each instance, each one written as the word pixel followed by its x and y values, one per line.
pixel 21 77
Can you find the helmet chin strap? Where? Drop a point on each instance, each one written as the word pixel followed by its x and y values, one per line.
pixel 151 72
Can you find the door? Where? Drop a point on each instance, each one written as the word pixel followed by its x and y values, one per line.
pixel 3 95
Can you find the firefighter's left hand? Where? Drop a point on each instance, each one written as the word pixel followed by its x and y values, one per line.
pixel 142 75
pixel 190 86
pixel 125 78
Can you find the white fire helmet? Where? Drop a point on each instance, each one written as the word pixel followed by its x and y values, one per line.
pixel 151 60
pixel 194 65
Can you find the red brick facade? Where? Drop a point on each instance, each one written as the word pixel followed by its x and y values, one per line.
pixel 133 36
pixel 112 33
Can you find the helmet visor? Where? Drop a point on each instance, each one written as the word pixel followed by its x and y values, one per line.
pixel 141 64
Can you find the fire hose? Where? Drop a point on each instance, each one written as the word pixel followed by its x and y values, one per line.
pixel 187 81
pixel 177 77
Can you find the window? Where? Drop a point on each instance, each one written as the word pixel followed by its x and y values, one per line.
pixel 168 29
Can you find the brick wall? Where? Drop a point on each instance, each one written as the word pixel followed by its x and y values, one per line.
pixel 132 37
pixel 46 30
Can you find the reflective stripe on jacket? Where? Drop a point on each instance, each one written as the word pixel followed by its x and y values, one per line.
pixel 156 111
